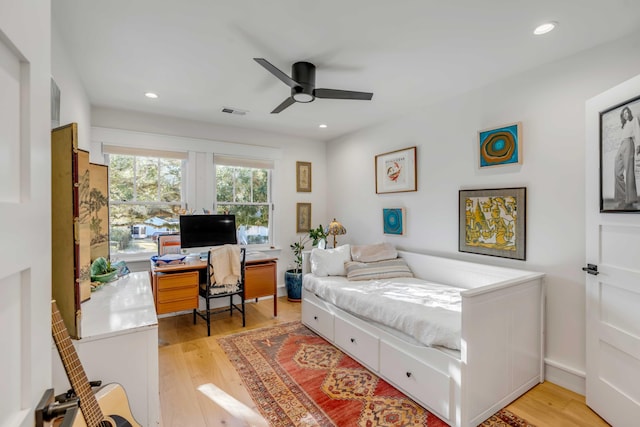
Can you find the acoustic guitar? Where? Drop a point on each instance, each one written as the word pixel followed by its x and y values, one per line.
pixel 111 399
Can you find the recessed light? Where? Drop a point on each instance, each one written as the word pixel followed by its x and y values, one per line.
pixel 151 95
pixel 545 28
pixel 322 126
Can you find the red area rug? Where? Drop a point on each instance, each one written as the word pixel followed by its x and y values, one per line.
pixel 297 378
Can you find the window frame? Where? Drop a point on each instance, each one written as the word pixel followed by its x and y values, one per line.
pixel 157 155
pixel 247 163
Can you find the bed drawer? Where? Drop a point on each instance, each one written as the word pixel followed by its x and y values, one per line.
pixel 318 319
pixel 358 343
pixel 429 386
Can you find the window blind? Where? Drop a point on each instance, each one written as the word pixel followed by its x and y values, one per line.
pixel 242 162
pixel 143 152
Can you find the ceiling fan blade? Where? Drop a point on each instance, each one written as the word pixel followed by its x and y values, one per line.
pixel 342 94
pixel 287 102
pixel 276 72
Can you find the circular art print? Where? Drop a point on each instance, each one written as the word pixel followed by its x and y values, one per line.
pixel 393 221
pixel 500 146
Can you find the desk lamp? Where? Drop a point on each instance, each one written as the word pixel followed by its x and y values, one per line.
pixel 334 229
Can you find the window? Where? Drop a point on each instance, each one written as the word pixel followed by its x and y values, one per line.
pixel 145 199
pixel 243 188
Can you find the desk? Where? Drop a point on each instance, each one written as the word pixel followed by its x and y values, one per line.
pixel 175 287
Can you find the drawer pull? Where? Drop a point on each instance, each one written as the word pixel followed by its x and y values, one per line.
pixel 315 317
pixel 353 340
pixel 408 374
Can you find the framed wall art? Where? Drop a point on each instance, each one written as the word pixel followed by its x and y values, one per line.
pixel 493 222
pixel 396 171
pixel 500 146
pixel 619 145
pixel 303 177
pixel 303 217
pixel 393 221
pixel 99 208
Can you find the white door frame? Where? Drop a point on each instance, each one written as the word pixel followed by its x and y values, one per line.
pixel 25 208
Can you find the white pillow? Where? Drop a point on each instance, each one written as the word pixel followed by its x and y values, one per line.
pixel 330 262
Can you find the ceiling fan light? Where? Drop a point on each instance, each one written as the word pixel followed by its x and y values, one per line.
pixel 302 97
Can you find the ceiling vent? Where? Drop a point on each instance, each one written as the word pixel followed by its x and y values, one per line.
pixel 231 110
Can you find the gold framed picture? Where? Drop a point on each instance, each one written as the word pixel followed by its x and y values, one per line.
pixel 396 171
pixel 303 177
pixel 303 217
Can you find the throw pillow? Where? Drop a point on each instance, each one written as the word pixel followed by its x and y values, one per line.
pixel 386 269
pixel 373 253
pixel 330 262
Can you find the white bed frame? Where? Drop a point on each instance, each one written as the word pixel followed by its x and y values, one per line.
pixel 501 353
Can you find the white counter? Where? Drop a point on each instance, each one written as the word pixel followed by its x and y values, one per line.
pixel 122 306
pixel 119 344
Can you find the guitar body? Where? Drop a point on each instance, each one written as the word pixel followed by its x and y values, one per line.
pixel 112 399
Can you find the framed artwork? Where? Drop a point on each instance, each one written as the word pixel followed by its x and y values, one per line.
pixel 396 171
pixel 500 146
pixel 493 222
pixel 303 177
pixel 303 217
pixel 99 209
pixel 393 221
pixel 619 142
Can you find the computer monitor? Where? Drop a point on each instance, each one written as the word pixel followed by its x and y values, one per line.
pixel 201 232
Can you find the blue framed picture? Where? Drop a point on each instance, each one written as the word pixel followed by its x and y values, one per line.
pixel 501 146
pixel 393 220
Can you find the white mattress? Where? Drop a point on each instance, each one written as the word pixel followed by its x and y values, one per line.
pixel 428 312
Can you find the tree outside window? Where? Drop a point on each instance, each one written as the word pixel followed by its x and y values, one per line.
pixel 145 200
pixel 246 193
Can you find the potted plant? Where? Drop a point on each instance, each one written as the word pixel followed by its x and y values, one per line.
pixel 293 276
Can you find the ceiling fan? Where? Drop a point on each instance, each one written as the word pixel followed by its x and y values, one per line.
pixel 303 85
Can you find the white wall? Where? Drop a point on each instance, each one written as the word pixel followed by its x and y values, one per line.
pixel 74 101
pixel 550 102
pixel 291 150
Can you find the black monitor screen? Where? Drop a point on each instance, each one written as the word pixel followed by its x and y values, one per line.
pixel 198 231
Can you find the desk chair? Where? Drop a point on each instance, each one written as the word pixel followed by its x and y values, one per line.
pixel 211 290
pixel 168 244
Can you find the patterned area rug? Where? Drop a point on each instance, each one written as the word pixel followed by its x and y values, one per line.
pixel 297 378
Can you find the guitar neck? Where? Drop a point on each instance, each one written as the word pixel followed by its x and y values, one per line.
pixel 75 372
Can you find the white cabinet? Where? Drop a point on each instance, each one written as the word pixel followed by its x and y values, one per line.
pixel 120 344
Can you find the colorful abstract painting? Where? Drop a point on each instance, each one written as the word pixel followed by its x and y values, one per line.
pixel 393 221
pixel 500 146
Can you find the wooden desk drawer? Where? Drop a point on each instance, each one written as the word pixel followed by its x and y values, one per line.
pixel 167 295
pixel 178 280
pixel 260 280
pixel 180 305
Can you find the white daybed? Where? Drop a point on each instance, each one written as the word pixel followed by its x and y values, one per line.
pixel 501 347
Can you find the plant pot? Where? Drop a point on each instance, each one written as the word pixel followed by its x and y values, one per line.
pixel 293 280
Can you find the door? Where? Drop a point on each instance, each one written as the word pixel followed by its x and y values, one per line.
pixel 613 291
pixel 25 196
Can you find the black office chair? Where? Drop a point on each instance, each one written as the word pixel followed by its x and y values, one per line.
pixel 210 290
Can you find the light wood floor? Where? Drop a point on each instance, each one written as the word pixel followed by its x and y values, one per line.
pixel 189 359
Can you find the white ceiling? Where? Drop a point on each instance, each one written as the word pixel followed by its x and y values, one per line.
pixel 197 54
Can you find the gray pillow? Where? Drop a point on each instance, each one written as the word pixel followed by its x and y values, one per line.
pixel 386 269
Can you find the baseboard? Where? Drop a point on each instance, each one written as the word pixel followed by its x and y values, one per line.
pixel 565 376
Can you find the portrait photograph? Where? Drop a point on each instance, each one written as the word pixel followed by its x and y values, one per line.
pixel 620 157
